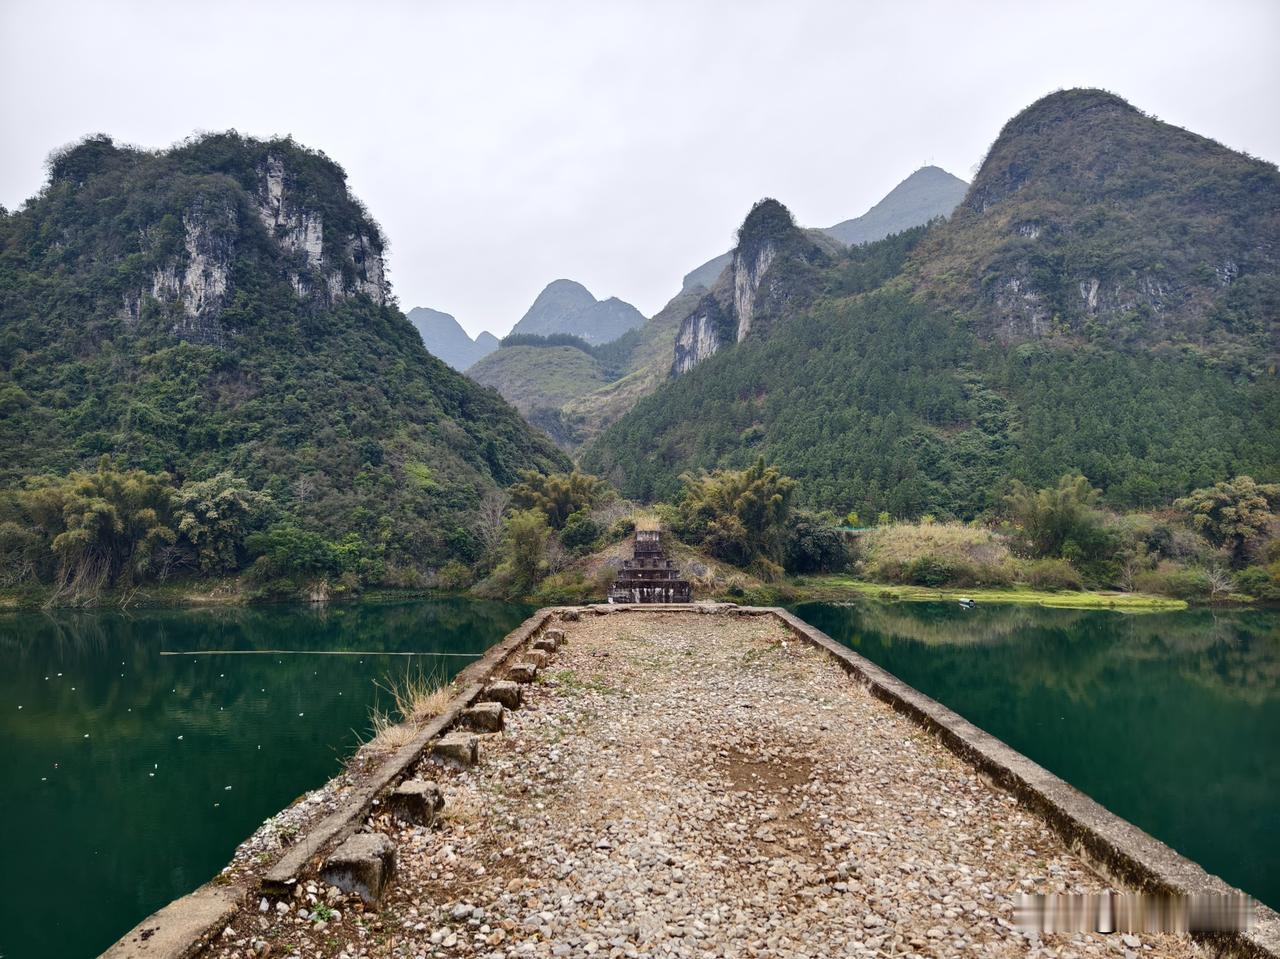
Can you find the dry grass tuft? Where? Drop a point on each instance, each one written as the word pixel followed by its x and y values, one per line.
pixel 463 807
pixel 418 696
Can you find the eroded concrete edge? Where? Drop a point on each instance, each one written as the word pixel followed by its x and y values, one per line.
pixel 1115 847
pixel 185 926
pixel 182 928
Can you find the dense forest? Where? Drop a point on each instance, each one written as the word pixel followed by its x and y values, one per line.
pixel 1049 326
pixel 881 403
pixel 221 308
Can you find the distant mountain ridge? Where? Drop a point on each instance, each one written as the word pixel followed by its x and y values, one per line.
pixel 566 306
pixel 445 338
pixel 574 398
pixel 927 193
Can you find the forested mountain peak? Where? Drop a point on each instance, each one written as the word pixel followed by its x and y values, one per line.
pixel 180 218
pixel 1104 301
pixel 1019 154
pixel 768 222
pixel 222 306
pixel 769 245
pixel 1090 221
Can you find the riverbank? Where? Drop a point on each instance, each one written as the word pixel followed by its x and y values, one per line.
pixel 837 588
pixel 226 591
pixel 606 819
pixel 710 583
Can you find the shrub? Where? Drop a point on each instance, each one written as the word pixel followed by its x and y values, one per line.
pixel 1051 574
pixel 930 571
pixel 216 516
pixel 622 529
pixel 566 588
pixel 1260 582
pixel 1169 579
pixel 285 550
pixel 814 547
pixel 1232 514
pixel 557 495
pixel 525 544
pixel 1062 520
pixel 580 534
pixel 740 516
pixel 454 576
pixel 969 556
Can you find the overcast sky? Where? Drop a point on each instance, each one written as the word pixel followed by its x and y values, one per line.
pixel 503 145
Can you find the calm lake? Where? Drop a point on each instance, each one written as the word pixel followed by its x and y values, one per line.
pixel 128 776
pixel 117 759
pixel 1170 720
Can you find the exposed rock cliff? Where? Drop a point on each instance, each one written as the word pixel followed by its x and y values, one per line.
pixel 1090 220
pixel 770 273
pixel 199 277
pixel 224 209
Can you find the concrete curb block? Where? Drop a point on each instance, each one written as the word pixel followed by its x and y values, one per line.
pixel 339 824
pixel 1119 849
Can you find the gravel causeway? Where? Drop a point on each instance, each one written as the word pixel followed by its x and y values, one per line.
pixel 684 784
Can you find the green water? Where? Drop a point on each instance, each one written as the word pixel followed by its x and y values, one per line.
pixel 1170 720
pixel 116 760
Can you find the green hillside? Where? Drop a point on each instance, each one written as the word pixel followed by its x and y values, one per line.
pixel 1091 222
pixel 909 387
pixel 539 377
pixel 223 306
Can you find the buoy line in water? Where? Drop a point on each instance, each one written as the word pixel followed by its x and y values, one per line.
pixel 303 652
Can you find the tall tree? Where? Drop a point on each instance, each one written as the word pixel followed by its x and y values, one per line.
pixel 1232 514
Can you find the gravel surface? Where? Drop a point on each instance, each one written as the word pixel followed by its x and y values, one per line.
pixel 701 785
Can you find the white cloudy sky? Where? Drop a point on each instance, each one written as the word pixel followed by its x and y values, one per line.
pixel 504 144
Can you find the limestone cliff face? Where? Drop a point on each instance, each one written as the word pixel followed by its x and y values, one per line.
pixel 769 275
pixel 1090 221
pixel 199 279
pixel 289 213
pixel 748 270
pixel 699 335
pixel 300 231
